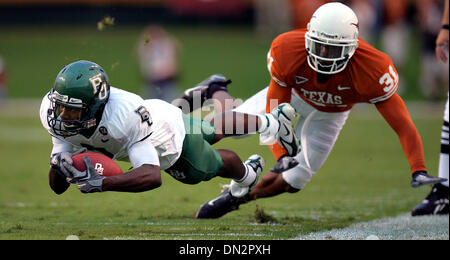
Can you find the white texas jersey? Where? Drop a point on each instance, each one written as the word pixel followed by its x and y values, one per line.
pixel 131 129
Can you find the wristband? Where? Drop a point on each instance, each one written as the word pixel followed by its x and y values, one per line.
pixel 445 26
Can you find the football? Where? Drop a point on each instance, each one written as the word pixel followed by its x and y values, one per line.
pixel 104 165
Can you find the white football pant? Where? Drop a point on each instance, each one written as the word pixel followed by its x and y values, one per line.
pixel 318 132
pixel 443 159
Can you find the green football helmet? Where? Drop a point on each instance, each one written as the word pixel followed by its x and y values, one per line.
pixel 84 86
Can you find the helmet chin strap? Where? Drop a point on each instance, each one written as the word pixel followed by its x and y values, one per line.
pixel 90 123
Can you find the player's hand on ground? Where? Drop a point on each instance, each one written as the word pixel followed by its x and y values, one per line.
pixel 420 178
pixel 284 163
pixel 57 160
pixel 87 181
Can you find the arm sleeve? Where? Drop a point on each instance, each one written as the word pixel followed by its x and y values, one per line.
pixel 395 113
pixel 60 146
pixel 141 153
pixel 140 148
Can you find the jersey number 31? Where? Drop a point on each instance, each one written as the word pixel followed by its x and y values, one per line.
pixel 389 80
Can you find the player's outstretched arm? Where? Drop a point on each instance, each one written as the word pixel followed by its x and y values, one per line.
pixel 143 178
pixel 395 113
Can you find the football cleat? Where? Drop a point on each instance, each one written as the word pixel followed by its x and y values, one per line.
pixel 221 205
pixel 436 203
pixel 254 163
pixel 284 163
pixel 285 113
pixel 203 91
pixel 420 178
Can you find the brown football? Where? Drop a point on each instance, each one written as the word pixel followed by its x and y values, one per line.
pixel 104 165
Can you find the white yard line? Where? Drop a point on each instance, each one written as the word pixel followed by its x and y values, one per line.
pixel 402 227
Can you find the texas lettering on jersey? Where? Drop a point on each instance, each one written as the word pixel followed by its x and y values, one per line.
pixel 321 98
pixel 369 77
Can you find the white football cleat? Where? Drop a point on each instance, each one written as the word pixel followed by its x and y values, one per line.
pixel 285 113
pixel 255 165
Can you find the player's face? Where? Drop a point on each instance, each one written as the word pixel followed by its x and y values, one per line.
pixel 69 114
pixel 327 51
pixel 329 57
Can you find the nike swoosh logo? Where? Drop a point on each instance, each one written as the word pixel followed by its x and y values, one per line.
pixel 211 202
pixel 255 166
pixel 289 145
pixel 288 133
pixel 190 91
pixel 104 140
pixel 342 88
pixel 300 80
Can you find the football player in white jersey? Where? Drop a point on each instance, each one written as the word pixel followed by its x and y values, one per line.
pixel 82 111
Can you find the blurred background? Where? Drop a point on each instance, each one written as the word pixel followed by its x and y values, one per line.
pixel 157 48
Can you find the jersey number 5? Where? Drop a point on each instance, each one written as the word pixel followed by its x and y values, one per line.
pixel 389 80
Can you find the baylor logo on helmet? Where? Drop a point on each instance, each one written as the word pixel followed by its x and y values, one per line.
pixel 99 85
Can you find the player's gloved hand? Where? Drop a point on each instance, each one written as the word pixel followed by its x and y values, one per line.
pixel 420 178
pixel 284 163
pixel 87 181
pixel 57 159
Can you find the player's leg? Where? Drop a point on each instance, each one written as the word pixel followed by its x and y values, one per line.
pixel 214 91
pixel 214 87
pixel 437 201
pixel 321 130
pixel 272 127
pixel 255 105
pixel 199 161
pixel 244 175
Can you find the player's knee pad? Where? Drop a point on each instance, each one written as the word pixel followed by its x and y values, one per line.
pixel 297 177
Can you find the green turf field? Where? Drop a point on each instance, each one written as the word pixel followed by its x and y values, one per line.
pixel 366 177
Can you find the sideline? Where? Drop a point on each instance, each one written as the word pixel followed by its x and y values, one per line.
pixel 402 227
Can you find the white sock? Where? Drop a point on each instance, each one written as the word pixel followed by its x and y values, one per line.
pixel 443 159
pixel 264 123
pixel 268 128
pixel 249 177
pixel 443 168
